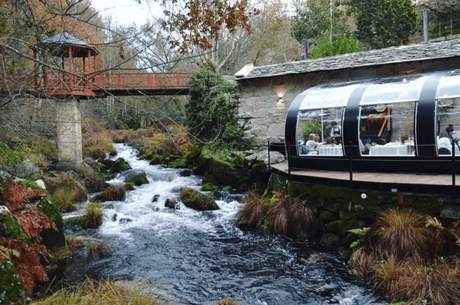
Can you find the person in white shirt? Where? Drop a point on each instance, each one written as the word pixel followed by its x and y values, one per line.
pixel 312 144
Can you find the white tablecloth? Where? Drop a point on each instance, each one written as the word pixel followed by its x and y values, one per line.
pixel 330 150
pixel 390 149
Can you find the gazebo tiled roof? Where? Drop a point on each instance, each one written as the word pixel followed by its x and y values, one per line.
pixel 58 46
pixel 392 55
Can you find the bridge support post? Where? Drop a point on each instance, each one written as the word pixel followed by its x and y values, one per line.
pixel 69 139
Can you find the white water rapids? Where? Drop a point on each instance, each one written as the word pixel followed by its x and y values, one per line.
pixel 198 257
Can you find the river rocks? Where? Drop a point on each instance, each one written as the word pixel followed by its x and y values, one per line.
pixel 114 192
pixel 116 166
pixel 275 157
pixel 330 240
pixel 170 203
pixel 125 220
pixel 196 200
pixel 155 198
pixel 186 173
pixel 136 176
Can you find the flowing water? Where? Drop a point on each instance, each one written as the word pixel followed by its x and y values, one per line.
pixel 198 257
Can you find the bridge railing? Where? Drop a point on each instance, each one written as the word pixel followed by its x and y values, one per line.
pixel 52 81
pixel 141 81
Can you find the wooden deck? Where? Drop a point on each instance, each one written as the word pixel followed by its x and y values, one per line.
pixel 396 182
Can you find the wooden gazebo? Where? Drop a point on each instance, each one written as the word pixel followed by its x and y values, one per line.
pixel 67 80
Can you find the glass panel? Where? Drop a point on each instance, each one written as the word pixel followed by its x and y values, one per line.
pixel 328 97
pixel 394 91
pixel 448 120
pixel 317 135
pixel 449 86
pixel 387 129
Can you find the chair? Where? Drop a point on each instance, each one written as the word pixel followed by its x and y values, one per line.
pixel 443 151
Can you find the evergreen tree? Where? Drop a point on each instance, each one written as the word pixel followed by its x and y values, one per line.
pixel 342 44
pixel 212 111
pixel 384 23
pixel 316 18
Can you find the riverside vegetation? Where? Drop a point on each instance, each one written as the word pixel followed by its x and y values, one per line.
pixel 408 255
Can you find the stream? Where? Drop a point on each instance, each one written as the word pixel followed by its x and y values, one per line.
pixel 195 257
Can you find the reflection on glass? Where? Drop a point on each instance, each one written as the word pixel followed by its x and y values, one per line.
pixel 319 132
pixel 387 129
pixel 448 120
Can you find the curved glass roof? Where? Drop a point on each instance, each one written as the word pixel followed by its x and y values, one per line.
pixel 327 97
pixel 396 91
pixel 449 86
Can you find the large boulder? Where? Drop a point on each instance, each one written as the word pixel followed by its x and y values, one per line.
pixel 197 200
pixel 27 170
pixel 135 176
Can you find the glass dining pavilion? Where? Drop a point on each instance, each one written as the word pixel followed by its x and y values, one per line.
pixel 398 124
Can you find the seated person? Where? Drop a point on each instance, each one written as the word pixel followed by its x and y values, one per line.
pixel 444 142
pixel 312 144
pixel 336 133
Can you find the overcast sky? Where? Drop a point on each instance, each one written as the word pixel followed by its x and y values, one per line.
pixel 126 12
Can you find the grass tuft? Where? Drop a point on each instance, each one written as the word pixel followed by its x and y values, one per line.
pixel 103 293
pixel 92 217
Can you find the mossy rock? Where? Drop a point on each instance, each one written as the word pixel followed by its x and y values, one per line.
pixel 116 166
pixel 51 238
pixel 136 177
pixel 11 288
pixel 340 227
pixel 197 200
pixel 330 239
pixel 343 215
pixel 49 207
pixel 327 216
pixel 11 228
pixel 208 187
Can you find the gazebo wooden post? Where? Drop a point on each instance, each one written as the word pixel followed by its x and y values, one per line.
pixel 70 69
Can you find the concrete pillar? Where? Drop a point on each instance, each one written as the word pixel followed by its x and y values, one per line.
pixel 70 150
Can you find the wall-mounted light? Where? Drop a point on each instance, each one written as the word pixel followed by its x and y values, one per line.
pixel 280 92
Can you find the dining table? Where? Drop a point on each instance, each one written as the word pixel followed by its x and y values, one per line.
pixel 392 149
pixel 330 150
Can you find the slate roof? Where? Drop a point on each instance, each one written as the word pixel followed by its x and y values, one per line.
pixel 58 44
pixel 392 55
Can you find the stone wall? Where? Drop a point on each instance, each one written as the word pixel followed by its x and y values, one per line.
pixel 264 122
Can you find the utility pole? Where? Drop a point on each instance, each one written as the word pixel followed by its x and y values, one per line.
pixel 330 9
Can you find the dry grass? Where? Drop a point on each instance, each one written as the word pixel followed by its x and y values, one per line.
pixel 400 233
pixel 403 259
pixel 114 192
pixel 92 217
pixel 228 302
pixel 282 214
pixel 65 187
pixel 65 200
pixel 438 283
pixel 254 211
pixel 103 293
pixel 361 262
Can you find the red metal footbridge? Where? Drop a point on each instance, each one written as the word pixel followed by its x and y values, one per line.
pixel 98 85
pixel 80 78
